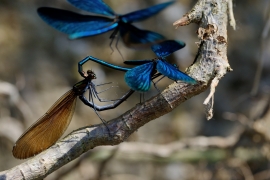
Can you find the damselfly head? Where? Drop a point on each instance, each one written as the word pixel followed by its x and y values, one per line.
pixel 157 58
pixel 117 18
pixel 91 74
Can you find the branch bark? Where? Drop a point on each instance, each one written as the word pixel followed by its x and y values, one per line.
pixel 210 64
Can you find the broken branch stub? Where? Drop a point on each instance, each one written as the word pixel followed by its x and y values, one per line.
pixel 211 62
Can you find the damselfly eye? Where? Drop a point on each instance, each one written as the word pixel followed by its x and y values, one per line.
pixel 91 74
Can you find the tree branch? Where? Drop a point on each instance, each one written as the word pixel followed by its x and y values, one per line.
pixel 210 63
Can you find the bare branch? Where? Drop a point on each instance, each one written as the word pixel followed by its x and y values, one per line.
pixel 212 33
pixel 262 175
pixel 246 171
pixel 264 35
pixel 8 125
pixel 9 90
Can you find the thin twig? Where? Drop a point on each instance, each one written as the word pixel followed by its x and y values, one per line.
pixel 258 74
pixel 231 15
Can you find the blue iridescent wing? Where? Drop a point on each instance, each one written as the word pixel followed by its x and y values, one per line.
pixel 139 78
pixel 173 72
pixel 137 38
pixel 145 13
pixel 137 62
pixel 76 25
pixel 93 6
pixel 166 48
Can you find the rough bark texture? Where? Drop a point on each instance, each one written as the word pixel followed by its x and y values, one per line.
pixel 209 66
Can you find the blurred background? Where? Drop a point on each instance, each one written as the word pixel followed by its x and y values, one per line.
pixel 38 64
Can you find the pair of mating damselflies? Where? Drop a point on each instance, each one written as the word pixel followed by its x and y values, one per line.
pixel 51 126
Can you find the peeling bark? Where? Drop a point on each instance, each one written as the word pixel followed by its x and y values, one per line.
pixel 211 62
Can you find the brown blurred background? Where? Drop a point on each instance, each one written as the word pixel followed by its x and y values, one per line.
pixel 38 64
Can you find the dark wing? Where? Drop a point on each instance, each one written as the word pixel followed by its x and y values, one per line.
pixel 137 62
pixel 139 78
pixel 166 48
pixel 48 129
pixel 93 6
pixel 173 72
pixel 137 38
pixel 74 24
pixel 145 13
